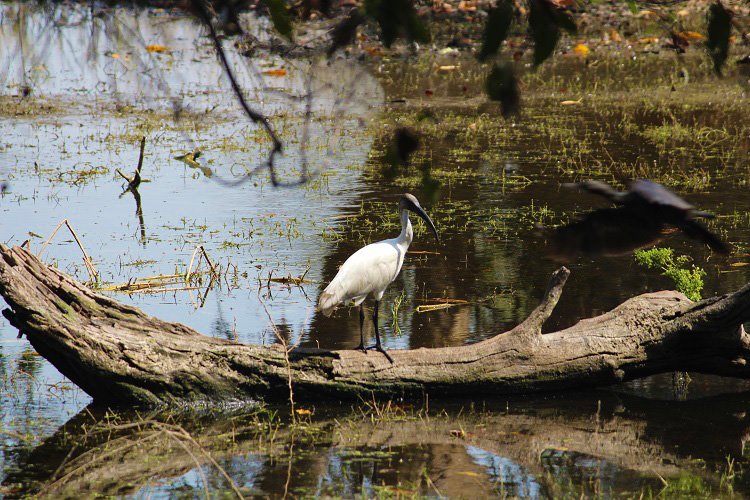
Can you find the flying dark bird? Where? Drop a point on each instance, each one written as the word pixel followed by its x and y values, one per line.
pixel 370 270
pixel 645 212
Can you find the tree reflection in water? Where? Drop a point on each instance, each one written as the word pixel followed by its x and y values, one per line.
pixel 599 443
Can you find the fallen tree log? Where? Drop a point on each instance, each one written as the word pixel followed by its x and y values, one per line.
pixel 119 354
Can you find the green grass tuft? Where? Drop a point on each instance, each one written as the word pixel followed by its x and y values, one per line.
pixel 687 280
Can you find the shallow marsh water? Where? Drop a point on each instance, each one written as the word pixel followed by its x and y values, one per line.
pixel 485 181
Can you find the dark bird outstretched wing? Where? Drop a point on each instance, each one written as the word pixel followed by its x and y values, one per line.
pixel 608 231
pixel 697 231
pixel 656 194
pixel 596 187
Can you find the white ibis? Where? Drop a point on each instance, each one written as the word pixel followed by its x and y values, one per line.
pixel 370 270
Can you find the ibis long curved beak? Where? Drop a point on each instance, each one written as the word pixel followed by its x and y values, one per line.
pixel 420 212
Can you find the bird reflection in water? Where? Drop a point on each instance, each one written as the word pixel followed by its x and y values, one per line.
pixel 646 212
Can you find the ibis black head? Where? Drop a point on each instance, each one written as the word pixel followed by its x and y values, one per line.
pixel 410 202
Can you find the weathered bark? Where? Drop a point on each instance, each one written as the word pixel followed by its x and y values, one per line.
pixel 117 353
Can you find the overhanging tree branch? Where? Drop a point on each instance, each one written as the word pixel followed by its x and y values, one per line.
pixel 257 117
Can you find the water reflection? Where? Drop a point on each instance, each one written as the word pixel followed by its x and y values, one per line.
pixel 596 444
pixel 138 210
pixel 600 443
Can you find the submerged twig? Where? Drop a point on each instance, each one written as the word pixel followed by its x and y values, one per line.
pixel 441 304
pixel 180 431
pixel 199 248
pixel 434 307
pixel 132 187
pixel 135 181
pixel 287 349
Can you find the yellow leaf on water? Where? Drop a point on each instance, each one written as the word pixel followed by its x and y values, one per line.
pixel 581 50
pixel 447 68
pixel 647 13
pixel 739 264
pixel 115 56
pixel 571 103
pixel 302 411
pixel 649 39
pixel 692 35
pixel 469 473
pixel 275 72
pixel 156 48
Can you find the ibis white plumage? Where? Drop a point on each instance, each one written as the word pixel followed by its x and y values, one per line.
pixel 369 271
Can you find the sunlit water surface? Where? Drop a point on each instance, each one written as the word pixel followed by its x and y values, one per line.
pixel 62 165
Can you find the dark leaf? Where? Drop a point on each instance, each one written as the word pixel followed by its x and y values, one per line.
pixel 405 142
pixel 564 20
pixel 343 33
pixel 324 6
pixel 430 185
pixel 397 18
pixel 719 28
pixel 280 17
pixel 305 8
pixel 496 29
pixel 401 147
pixel 544 30
pixel 415 29
pixel 229 19
pixel 501 85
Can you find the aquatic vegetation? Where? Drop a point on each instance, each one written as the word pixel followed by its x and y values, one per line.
pixel 686 280
pixel 619 111
pixel 395 306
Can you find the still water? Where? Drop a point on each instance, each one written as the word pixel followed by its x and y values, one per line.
pixel 96 89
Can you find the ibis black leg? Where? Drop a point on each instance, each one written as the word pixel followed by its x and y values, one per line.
pixel 361 346
pixel 378 346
